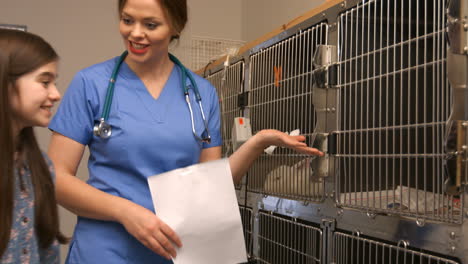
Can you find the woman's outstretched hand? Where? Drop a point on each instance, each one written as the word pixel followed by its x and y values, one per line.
pixel 242 159
pixel 277 138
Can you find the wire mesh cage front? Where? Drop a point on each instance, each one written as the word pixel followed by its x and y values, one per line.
pixel 281 98
pixel 247 224
pixel 394 100
pixel 282 240
pixel 229 84
pixel 352 249
pixel 204 50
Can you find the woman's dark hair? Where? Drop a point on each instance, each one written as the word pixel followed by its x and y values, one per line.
pixel 20 54
pixel 175 11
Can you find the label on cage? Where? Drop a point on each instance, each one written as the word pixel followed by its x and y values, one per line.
pixel 241 132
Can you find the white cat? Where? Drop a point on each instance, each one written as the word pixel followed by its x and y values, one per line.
pixel 294 180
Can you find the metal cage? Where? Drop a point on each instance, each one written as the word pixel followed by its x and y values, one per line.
pixel 380 86
pixel 282 240
pixel 247 225
pixel 280 97
pixel 394 101
pixel 353 249
pixel 229 84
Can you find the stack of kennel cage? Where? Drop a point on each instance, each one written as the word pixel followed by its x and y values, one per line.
pixel 229 84
pixel 380 86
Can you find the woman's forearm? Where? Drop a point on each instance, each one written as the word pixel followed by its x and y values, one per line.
pixel 241 160
pixel 73 193
pixel 87 201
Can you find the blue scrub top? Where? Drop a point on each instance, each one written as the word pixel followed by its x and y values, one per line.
pixel 149 136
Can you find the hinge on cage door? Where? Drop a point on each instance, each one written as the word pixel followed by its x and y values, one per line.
pixel 326 67
pixel 455 162
pixel 457 26
pixel 243 100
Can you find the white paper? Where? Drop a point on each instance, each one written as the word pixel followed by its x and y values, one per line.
pixel 199 203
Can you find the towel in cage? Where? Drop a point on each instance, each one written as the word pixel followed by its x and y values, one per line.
pixel 405 199
pixel 297 179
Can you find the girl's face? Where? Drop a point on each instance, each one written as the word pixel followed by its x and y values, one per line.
pixel 33 97
pixel 146 31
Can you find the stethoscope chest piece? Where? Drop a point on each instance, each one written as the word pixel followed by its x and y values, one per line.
pixel 102 129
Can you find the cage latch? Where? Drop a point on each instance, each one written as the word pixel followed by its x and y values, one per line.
pixel 243 100
pixel 331 147
pixel 457 26
pixel 326 67
pixel 320 164
pixel 326 77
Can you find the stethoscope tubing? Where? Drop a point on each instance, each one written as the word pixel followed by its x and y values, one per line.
pixel 110 88
pixel 106 128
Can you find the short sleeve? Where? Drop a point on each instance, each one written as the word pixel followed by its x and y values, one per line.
pixel 74 118
pixel 50 166
pixel 214 120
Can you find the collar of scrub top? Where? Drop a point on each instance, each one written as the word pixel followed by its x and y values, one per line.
pixel 104 130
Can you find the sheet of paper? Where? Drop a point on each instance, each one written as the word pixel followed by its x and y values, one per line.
pixel 199 203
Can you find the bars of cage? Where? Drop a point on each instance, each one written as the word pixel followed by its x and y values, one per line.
pixel 354 249
pixel 204 49
pixel 284 240
pixel 394 101
pixel 247 225
pixel 281 80
pixel 229 84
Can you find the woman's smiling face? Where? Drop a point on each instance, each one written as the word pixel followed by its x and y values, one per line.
pixel 146 31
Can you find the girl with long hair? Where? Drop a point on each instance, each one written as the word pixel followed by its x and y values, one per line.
pixel 29 225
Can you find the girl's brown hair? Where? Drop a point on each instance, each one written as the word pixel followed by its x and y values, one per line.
pixel 22 53
pixel 175 11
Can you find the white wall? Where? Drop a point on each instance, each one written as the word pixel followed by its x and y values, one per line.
pixel 215 18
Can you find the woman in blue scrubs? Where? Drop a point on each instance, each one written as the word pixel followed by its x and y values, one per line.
pixel 151 134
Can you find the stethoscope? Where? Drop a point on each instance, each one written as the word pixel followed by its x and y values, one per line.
pixel 104 130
